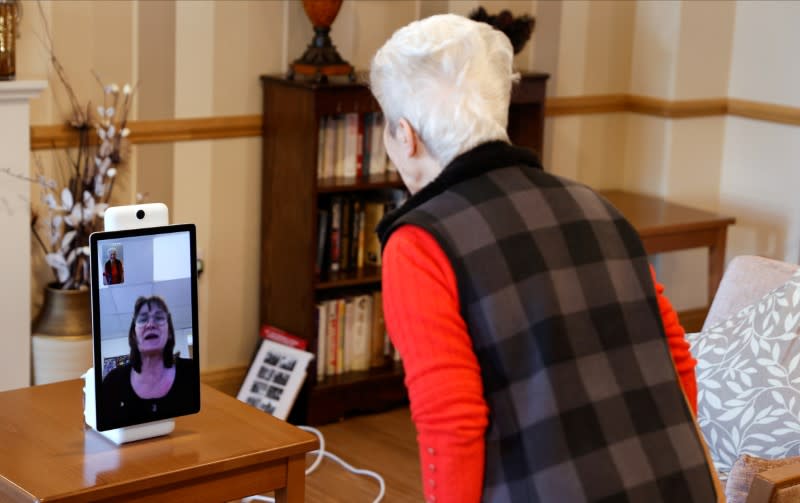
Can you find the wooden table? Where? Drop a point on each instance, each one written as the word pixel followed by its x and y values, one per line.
pixel 665 226
pixel 227 451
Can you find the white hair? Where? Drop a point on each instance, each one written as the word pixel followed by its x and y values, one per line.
pixel 450 78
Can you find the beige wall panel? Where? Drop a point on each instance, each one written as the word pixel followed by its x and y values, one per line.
pixel 602 149
pixel 571 70
pixel 696 161
pixel 684 275
pixel 234 274
pixel 299 31
pixel 566 140
pixel 609 46
pixel 765 44
pixel 155 98
pixel 759 187
pixel 372 24
pixel 655 46
pixel 704 49
pixel 546 43
pixel 647 154
pixel 247 43
pixel 691 178
pixel 193 202
pixel 427 8
pixel 32 60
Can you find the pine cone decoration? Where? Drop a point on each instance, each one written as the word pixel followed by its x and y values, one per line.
pixel 518 30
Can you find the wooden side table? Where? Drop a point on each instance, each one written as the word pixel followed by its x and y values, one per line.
pixel 227 451
pixel 665 226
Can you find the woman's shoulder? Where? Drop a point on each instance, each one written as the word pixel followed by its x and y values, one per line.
pixel 118 376
pixel 184 364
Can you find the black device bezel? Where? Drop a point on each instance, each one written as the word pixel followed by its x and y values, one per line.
pixel 104 423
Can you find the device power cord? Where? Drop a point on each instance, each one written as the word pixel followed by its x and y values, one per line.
pixel 322 453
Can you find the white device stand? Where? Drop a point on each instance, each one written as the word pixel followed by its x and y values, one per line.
pixel 119 218
pixel 127 433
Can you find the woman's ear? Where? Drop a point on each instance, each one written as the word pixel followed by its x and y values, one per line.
pixel 407 137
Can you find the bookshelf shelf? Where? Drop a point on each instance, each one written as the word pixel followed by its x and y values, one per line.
pixel 389 372
pixel 296 117
pixel 373 182
pixel 357 277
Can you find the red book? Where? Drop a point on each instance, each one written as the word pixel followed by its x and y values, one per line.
pixel 282 337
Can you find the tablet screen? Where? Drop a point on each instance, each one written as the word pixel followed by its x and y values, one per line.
pixel 144 321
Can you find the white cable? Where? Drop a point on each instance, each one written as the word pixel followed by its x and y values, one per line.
pixel 322 453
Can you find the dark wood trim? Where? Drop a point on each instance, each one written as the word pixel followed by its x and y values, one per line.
pixel 692 319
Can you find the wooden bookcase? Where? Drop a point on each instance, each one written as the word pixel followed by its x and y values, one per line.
pixel 289 287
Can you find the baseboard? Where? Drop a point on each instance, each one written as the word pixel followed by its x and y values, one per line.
pixel 693 319
pixel 227 380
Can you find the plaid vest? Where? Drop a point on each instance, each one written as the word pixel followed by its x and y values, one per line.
pixel 554 286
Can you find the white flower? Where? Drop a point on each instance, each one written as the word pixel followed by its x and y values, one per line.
pixel 88 207
pixel 50 201
pixel 59 264
pixel 125 132
pixel 74 218
pixel 101 133
pixel 110 113
pixel 99 186
pixel 55 230
pixel 101 111
pixel 108 90
pixel 67 240
pixel 114 88
pixel 126 89
pixel 66 199
pixel 111 131
pixel 111 173
pixel 105 148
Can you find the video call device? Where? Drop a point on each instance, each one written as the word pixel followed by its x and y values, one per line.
pixel 144 324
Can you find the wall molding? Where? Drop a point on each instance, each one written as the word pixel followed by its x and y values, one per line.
pixel 245 126
pixel 159 131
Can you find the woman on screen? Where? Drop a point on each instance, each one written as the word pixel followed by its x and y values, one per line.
pixel 113 272
pixel 154 383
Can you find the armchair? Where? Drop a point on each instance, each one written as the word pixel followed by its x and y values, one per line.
pixel 748 357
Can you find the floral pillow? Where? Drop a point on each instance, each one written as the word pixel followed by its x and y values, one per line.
pixel 748 379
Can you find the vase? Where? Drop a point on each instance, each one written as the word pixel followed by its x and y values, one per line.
pixel 321 60
pixel 9 23
pixel 62 336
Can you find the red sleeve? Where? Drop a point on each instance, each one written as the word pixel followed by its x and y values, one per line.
pixel 424 322
pixel 678 347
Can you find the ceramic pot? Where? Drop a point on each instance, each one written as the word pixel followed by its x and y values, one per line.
pixel 62 336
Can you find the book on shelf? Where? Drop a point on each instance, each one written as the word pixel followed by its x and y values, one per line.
pixel 329 156
pixel 351 335
pixel 335 247
pixel 377 331
pixel 322 240
pixel 351 146
pixel 321 148
pixel 331 336
pixel 321 321
pixel 360 337
pixel 373 213
pixel 346 234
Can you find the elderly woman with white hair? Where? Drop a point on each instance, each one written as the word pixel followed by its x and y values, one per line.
pixel 522 304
